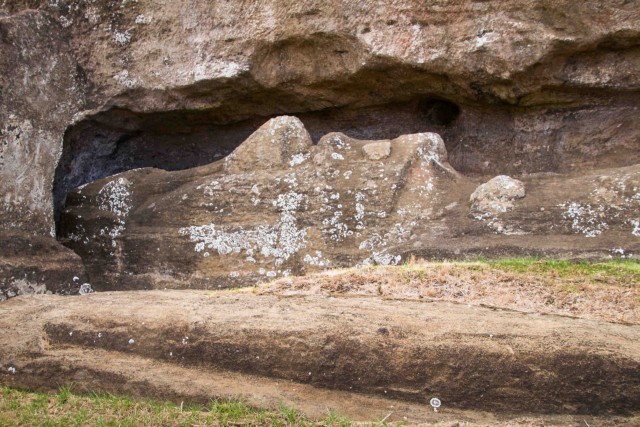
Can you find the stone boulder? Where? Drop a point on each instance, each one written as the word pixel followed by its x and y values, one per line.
pixel 496 196
pixel 276 206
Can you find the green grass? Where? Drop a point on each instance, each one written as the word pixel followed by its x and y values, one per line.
pixel 624 271
pixel 66 408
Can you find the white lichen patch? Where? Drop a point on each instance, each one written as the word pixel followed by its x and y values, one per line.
pixel 115 197
pixel 339 142
pixel 432 150
pixel 585 219
pixel 316 260
pixel 143 20
pixel 23 287
pixel 121 38
pixel 298 159
pixel 211 188
pixel 278 242
pixel 379 245
pixel 485 38
pixel 65 22
pixel 123 78
pixel 335 228
pixel 620 252
pixel 635 223
pixel 291 180
pixel 216 69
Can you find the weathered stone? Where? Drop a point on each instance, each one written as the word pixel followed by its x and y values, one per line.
pixel 138 113
pixel 377 150
pixel 38 265
pixel 280 142
pixel 512 88
pixel 211 227
pixel 496 196
pixel 40 91
pixel 227 225
pixel 39 96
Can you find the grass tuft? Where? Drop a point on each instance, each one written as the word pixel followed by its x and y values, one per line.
pixel 66 408
pixel 621 271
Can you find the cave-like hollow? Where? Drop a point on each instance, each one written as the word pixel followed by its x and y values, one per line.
pixel 482 140
pixel 118 140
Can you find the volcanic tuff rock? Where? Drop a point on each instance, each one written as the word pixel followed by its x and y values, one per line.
pixel 39 95
pixel 278 206
pixel 517 88
pixel 210 144
pixel 496 196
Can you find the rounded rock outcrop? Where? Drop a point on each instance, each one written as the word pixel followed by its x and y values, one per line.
pixel 496 196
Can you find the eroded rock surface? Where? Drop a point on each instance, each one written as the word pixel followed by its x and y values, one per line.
pixel 279 206
pixel 99 88
pixel 276 206
pixel 41 89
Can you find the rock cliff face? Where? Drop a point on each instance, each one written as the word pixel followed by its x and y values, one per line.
pixel 41 90
pixel 543 91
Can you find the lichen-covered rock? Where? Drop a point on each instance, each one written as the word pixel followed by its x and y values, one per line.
pixel 99 88
pixel 217 226
pixel 297 208
pixel 496 196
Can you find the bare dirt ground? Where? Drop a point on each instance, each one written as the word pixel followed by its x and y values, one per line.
pixel 365 355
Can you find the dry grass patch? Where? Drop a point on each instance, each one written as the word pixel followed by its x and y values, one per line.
pixel 607 291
